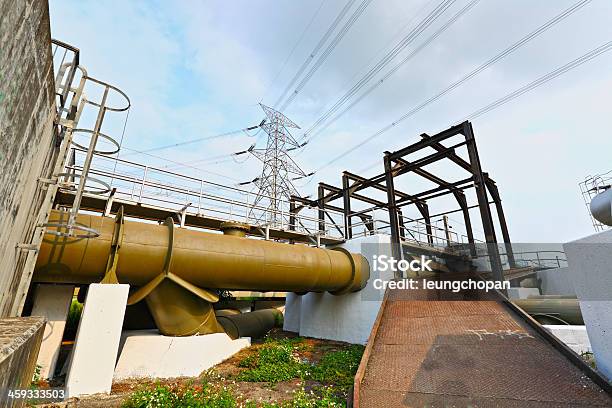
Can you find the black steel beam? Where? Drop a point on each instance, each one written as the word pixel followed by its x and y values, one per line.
pixel 360 197
pixel 427 160
pixel 321 212
pixel 392 208
pixel 492 187
pixel 346 197
pixel 465 209
pixel 450 132
pixel 483 203
pixel 424 196
pixel 379 186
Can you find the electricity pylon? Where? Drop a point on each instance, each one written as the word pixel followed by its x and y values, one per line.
pixel 279 170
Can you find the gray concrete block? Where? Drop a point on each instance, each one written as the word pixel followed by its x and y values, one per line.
pixel 590 270
pixel 53 303
pixel 97 341
pixel 20 339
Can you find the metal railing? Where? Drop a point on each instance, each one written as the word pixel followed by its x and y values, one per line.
pixel 543 259
pixel 415 231
pixel 186 195
pixel 65 63
pixel 589 188
pixel 92 107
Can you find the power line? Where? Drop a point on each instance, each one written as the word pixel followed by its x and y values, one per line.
pixel 282 68
pixel 394 69
pixel 197 140
pixel 466 78
pixel 222 158
pixel 181 164
pixel 542 80
pixel 536 83
pixel 331 46
pixel 316 49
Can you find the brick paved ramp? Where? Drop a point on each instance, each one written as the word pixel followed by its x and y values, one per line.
pixel 460 353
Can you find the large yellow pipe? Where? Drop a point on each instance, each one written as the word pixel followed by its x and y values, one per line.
pixel 207 260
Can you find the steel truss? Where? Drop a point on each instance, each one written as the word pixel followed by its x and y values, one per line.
pixel 399 163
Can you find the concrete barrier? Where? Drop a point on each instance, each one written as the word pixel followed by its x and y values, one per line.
pixel 147 354
pixel 53 303
pixel 20 339
pixel 97 341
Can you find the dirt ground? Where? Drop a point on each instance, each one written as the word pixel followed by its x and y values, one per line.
pixel 224 374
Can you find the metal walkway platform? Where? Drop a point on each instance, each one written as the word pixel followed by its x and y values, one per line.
pixel 439 349
pixel 157 213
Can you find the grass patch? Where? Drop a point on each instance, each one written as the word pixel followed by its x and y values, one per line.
pixel 197 396
pixel 72 320
pixel 275 361
pixel 319 397
pixel 208 396
pixel 278 360
pixel 338 367
pixel 298 372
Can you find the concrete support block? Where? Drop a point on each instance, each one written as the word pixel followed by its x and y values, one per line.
pixel 343 318
pixel 97 341
pixel 347 317
pixel 20 339
pixel 291 320
pixel 53 303
pixel 590 270
pixel 575 337
pixel 556 282
pixel 522 293
pixel 148 354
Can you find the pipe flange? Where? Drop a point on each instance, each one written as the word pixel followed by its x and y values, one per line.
pixel 235 228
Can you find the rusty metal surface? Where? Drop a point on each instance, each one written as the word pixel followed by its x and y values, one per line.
pixel 439 353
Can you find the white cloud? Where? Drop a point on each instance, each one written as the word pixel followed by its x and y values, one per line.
pixel 199 68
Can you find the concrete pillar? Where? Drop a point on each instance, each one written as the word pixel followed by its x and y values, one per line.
pixel 291 321
pixel 53 303
pixel 97 341
pixel 590 270
pixel 348 317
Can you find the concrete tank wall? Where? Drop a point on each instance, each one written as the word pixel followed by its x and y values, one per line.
pixel 27 145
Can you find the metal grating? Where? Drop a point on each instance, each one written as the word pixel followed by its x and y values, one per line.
pixel 467 353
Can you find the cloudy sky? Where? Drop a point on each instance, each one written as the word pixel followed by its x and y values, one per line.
pixel 196 69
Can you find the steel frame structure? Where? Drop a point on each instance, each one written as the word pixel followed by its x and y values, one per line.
pixel 399 163
pixel 279 170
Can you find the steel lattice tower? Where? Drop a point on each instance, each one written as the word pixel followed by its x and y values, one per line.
pixel 279 169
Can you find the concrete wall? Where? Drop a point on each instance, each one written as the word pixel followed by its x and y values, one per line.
pixel 590 270
pixel 20 339
pixel 27 145
pixel 348 317
pixel 556 282
pixel 53 303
